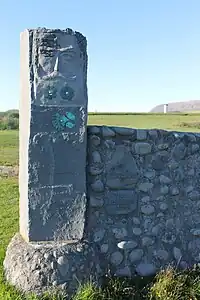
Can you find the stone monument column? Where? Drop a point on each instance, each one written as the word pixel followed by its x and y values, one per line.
pixel 53 120
pixel 50 249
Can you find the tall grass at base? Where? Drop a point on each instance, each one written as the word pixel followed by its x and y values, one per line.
pixel 88 292
pixel 171 284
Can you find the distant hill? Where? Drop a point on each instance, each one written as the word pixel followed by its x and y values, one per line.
pixel 186 106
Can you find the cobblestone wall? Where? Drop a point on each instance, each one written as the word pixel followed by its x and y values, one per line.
pixel 144 198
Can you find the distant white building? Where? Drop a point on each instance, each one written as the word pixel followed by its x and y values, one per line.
pixel 165 108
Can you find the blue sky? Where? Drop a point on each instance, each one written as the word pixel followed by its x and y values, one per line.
pixel 141 53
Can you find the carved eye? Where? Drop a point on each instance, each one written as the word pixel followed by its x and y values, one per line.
pixel 67 93
pixel 69 55
pixel 50 92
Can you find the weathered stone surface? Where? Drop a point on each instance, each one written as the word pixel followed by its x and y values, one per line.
pixel 97 186
pixel 121 184
pixel 121 168
pixel 163 146
pixel 161 254
pixel 38 275
pixel 146 167
pixel 195 231
pixel 177 254
pixel 145 186
pixel 107 132
pixel 52 175
pixel 194 195
pixel 137 231
pixel 174 191
pixel 124 131
pixel 104 248
pixel 127 245
pixel 119 233
pixel 145 269
pixel 147 209
pixel 164 179
pixel 141 134
pixel 179 151
pixel 96 157
pixel 158 163
pixel 194 148
pixel 136 221
pixel 164 190
pixel 99 235
pixel 124 272
pixel 142 148
pixel 116 258
pixel 150 174
pixel 120 203
pixel 136 255
pixel 147 241
pixel 95 140
pixel 163 206
pixel 94 171
pixel 93 129
pixel 96 202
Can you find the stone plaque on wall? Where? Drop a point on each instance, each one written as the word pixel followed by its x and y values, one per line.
pixel 120 202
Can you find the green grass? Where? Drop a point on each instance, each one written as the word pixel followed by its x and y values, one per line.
pixel 9 145
pixel 147 121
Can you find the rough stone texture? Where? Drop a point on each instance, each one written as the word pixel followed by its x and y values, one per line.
pixel 149 200
pixel 53 117
pixel 42 267
pixel 142 212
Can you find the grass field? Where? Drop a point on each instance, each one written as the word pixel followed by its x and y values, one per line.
pixel 177 122
pixel 168 285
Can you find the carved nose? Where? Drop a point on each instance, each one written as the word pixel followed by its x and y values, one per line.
pixel 56 66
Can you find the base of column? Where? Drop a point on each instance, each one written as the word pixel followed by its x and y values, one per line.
pixel 45 267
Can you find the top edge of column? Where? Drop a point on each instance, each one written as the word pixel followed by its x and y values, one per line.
pixel 68 31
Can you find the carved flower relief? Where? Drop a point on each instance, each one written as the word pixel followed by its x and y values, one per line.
pixel 60 122
pixel 67 93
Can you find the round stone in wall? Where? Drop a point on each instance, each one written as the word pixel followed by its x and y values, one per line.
pixel 136 255
pixel 145 269
pixel 137 231
pixel 104 248
pixel 147 209
pixel 163 206
pixel 136 221
pixel 119 233
pixel 96 157
pixel 142 148
pixel 161 254
pixel 147 241
pixel 124 272
pixel 177 253
pixel 116 258
pixel 97 186
pixel 99 235
pixel 126 245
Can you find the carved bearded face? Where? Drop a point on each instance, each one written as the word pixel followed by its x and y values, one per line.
pixel 60 70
